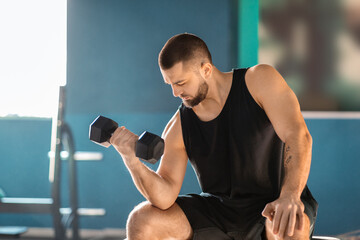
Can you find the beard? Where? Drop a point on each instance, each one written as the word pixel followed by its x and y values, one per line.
pixel 200 96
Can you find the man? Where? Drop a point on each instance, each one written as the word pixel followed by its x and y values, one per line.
pixel 247 141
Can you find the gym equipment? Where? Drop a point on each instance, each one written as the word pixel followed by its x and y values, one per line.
pixel 149 147
pixel 12 232
pixel 2 193
pixel 323 238
pixel 61 137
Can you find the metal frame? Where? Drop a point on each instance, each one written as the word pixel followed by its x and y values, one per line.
pixel 61 137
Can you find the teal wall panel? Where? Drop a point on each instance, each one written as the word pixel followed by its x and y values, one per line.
pixel 24 145
pixel 334 177
pixel 247 32
pixel 113 50
pixel 112 70
pixel 24 164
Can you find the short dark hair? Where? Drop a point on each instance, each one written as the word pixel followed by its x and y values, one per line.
pixel 181 48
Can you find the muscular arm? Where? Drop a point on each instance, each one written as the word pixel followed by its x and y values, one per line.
pixel 160 188
pixel 279 102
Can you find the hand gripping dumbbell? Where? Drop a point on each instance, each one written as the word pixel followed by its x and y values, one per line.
pixel 149 147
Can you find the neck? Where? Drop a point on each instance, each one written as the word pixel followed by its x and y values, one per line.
pixel 219 88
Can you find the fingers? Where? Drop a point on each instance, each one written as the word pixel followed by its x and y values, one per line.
pixel 124 141
pixel 115 135
pixel 283 223
pixel 276 222
pixel 301 224
pixel 292 222
pixel 286 217
pixel 122 135
pixel 275 215
pixel 127 135
pixel 268 212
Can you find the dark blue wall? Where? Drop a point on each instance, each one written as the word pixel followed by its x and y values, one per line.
pixel 113 48
pixel 24 164
pixel 334 178
pixel 335 171
pixel 112 70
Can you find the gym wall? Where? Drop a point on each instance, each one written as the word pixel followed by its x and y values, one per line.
pixel 334 175
pixel 112 70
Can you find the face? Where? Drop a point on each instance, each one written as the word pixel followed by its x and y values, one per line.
pixel 187 83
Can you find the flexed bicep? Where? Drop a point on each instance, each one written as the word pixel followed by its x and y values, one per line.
pixel 174 161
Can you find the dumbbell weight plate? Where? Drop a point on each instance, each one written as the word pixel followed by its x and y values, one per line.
pixel 149 147
pixel 101 130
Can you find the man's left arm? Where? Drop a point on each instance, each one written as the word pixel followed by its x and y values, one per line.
pixel 279 102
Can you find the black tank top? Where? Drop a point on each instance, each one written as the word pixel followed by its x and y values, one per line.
pixel 237 154
pixel 238 157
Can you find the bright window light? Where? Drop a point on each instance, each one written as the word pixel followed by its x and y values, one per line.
pixel 32 56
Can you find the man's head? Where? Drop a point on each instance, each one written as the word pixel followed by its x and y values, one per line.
pixel 185 63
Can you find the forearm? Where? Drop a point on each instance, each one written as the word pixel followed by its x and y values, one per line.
pixel 297 161
pixel 156 189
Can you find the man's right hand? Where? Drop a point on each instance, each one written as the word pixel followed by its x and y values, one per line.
pixel 124 141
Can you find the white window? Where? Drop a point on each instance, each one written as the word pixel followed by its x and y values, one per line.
pixel 32 56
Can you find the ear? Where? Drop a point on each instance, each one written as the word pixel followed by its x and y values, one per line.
pixel 206 69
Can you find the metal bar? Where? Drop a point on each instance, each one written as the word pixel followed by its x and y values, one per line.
pixel 85 211
pixel 80 155
pixel 330 115
pixel 26 205
pixel 323 238
pixel 55 163
pixel 72 181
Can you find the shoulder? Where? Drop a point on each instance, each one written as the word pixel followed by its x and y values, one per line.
pixel 263 79
pixel 261 72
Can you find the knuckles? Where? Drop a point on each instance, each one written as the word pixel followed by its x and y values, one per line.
pixel 123 140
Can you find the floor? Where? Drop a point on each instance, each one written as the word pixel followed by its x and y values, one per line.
pixel 88 234
pixel 355 235
pixel 118 234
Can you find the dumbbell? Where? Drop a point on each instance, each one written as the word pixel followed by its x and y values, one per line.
pixel 149 147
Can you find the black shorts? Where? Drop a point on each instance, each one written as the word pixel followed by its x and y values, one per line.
pixel 211 219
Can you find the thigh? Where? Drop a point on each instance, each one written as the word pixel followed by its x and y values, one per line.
pixel 304 234
pixel 148 220
pixel 209 218
pixel 310 213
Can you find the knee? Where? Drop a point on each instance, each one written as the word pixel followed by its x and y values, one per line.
pixel 140 221
pixel 298 235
